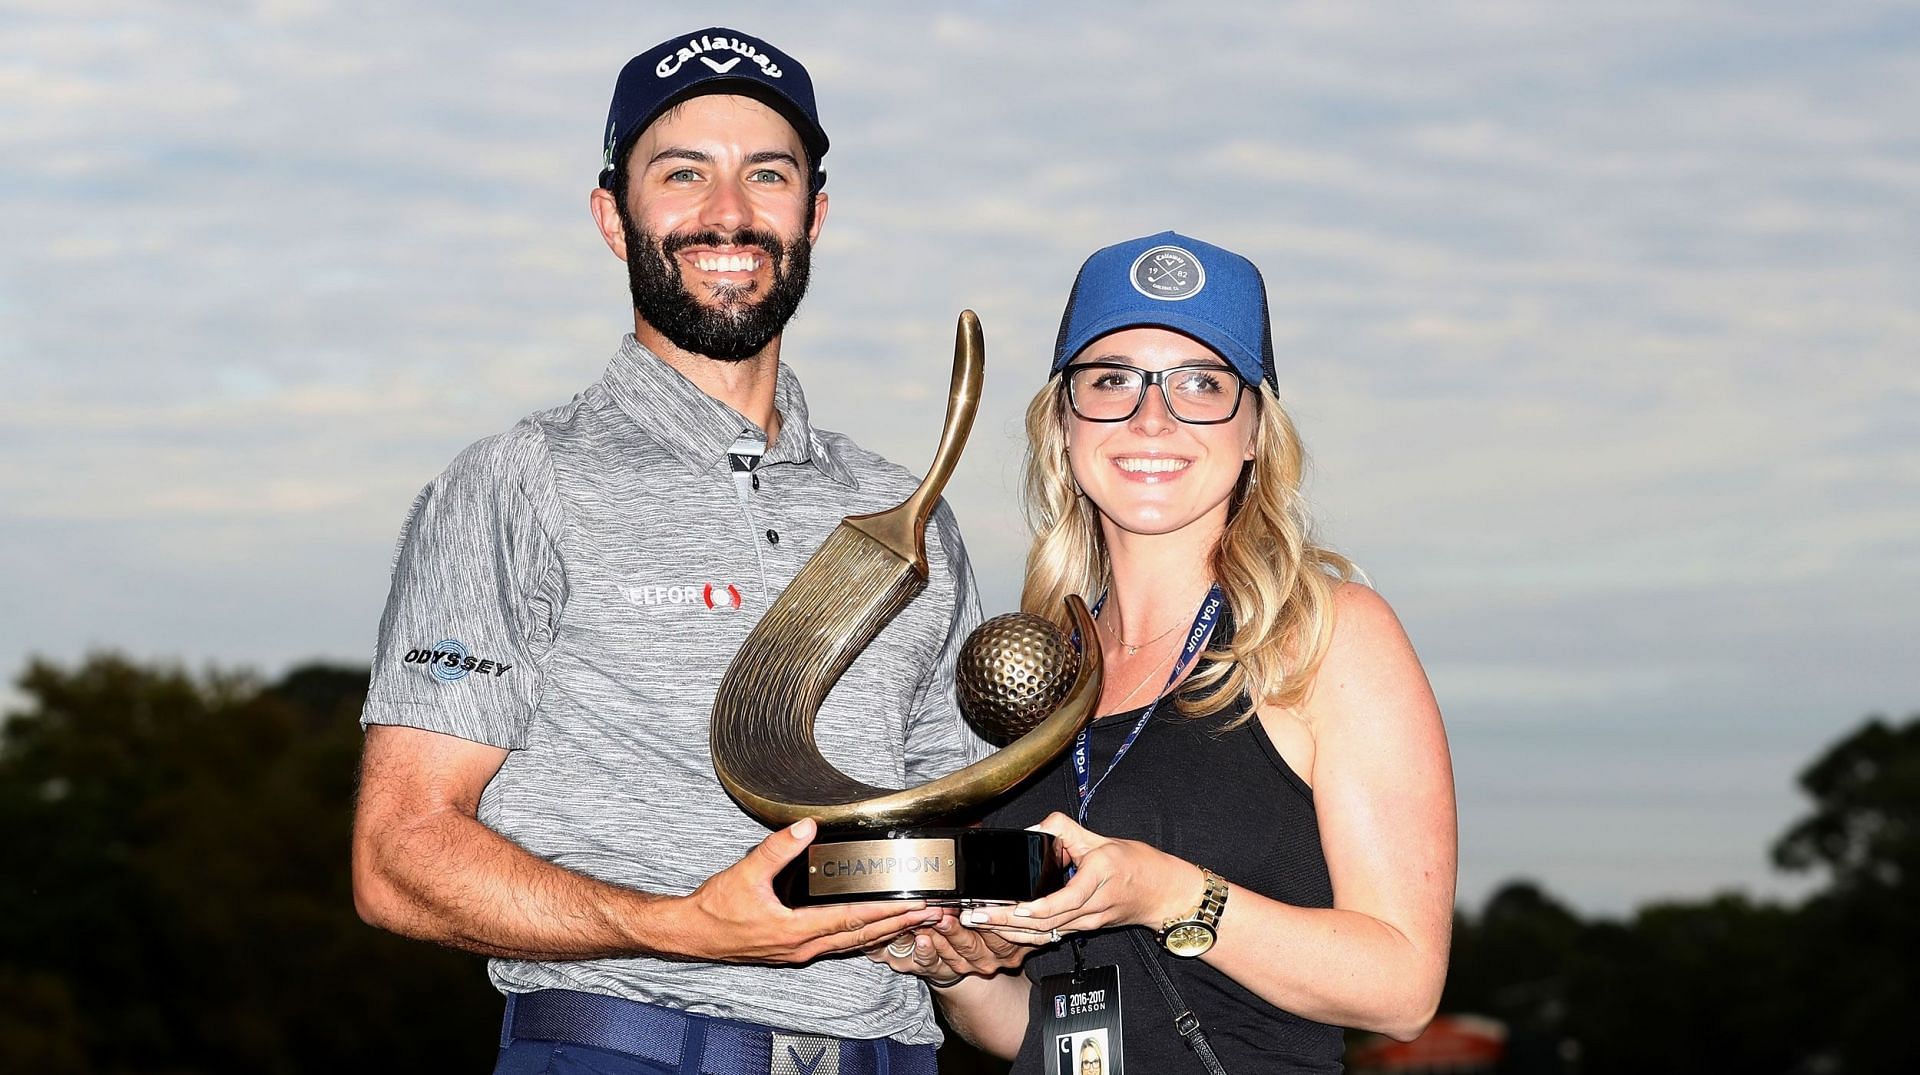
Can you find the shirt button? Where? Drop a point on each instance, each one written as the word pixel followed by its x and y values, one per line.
pixel 773 537
pixel 756 483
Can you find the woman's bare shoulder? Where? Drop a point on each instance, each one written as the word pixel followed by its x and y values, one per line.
pixel 1368 658
pixel 1363 623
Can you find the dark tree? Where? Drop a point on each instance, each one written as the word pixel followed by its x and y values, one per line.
pixel 1729 983
pixel 176 893
pixel 1862 935
pixel 1690 987
pixel 1519 963
pixel 1865 827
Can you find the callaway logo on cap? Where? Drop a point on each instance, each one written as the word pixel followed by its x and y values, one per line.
pixel 1168 272
pixel 715 60
pixel 698 49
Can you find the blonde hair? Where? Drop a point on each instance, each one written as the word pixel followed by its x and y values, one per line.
pixel 1278 583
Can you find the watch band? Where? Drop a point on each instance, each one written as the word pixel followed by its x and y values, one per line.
pixel 1194 934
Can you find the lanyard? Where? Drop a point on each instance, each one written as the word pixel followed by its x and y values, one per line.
pixel 1196 638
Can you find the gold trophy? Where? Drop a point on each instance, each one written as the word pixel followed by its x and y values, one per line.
pixel 1019 679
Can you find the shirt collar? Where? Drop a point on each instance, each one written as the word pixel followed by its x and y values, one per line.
pixel 699 429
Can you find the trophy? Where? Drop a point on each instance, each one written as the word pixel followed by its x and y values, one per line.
pixel 1019 680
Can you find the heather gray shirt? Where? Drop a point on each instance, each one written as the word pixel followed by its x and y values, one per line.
pixel 572 590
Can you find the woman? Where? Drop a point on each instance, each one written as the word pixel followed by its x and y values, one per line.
pixel 1267 801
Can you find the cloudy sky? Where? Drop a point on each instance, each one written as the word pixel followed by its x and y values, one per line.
pixel 1599 321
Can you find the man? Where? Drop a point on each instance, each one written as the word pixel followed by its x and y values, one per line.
pixel 536 783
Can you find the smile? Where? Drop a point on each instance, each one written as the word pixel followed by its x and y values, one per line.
pixel 1151 464
pixel 726 262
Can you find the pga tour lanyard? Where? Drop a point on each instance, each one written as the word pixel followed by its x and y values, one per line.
pixel 1196 638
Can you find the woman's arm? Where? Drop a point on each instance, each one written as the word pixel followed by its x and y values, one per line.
pixel 1383 790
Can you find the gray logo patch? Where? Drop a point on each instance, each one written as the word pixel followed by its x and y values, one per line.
pixel 805 1054
pixel 1169 273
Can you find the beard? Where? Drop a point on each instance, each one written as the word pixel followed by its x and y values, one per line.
pixel 735 326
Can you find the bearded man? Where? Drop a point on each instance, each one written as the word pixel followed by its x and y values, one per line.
pixel 536 783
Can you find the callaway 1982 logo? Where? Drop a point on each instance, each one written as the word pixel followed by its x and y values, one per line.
pixel 1169 273
pixel 450 661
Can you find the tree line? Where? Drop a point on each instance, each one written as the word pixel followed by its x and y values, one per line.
pixel 174 897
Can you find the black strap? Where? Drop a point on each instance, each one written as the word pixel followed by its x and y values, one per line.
pixel 1185 1022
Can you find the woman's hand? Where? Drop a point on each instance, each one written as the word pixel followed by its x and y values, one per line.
pixel 1115 883
pixel 946 951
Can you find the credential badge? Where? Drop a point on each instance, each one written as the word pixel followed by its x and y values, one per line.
pixel 1169 273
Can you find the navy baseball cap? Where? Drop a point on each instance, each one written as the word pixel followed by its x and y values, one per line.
pixel 1174 282
pixel 715 60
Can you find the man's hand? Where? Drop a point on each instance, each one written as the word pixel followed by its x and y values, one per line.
pixel 734 916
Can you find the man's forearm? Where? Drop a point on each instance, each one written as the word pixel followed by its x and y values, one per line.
pixel 447 878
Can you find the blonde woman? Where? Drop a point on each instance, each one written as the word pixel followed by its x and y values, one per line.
pixel 1264 811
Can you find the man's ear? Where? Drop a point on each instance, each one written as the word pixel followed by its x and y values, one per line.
pixel 606 217
pixel 819 218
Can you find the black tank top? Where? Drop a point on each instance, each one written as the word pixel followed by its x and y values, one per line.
pixel 1220 798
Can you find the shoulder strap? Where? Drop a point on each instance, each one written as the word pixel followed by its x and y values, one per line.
pixel 1184 1021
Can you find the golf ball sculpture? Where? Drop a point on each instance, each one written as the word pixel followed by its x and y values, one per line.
pixel 1014 671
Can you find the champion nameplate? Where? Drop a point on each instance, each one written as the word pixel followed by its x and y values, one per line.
pixel 925 865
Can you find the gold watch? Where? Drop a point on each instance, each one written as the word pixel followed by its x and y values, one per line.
pixel 1192 936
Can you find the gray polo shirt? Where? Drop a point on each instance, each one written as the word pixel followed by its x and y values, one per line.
pixel 572 590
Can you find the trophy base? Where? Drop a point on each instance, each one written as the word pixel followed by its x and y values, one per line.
pixel 949 866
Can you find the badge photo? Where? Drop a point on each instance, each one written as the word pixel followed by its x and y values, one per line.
pixel 1084 1053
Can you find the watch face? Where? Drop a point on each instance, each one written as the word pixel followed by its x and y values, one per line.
pixel 1189 939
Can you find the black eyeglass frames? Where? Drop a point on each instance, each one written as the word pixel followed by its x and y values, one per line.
pixel 1200 395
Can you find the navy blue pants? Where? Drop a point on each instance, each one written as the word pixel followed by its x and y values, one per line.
pixel 558 1032
pixel 553 1058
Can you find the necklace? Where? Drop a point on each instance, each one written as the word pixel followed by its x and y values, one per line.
pixel 1143 681
pixel 1135 647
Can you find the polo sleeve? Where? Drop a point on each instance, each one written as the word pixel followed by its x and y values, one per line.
pixel 476 591
pixel 939 740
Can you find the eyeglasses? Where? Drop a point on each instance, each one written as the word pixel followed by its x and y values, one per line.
pixel 1113 392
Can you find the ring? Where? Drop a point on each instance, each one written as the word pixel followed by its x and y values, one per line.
pixel 894 949
pixel 1053 935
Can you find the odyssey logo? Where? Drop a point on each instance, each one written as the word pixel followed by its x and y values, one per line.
pixel 719 597
pixel 699 46
pixel 449 661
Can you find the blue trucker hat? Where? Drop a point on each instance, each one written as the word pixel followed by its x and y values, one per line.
pixel 1175 282
pixel 715 60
